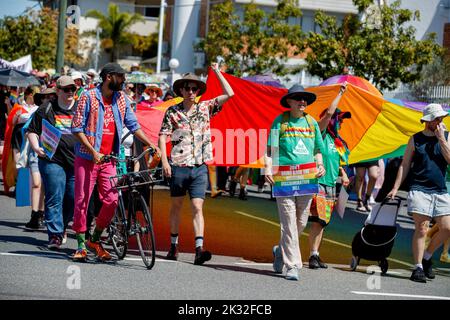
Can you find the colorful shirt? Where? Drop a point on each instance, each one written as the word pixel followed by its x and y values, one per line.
pixel 89 118
pixel 190 132
pixel 298 144
pixel 109 129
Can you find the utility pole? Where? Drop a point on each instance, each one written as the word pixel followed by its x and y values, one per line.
pixel 61 28
pixel 97 48
pixel 160 36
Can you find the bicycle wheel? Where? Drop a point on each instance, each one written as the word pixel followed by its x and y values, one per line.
pixel 145 236
pixel 118 231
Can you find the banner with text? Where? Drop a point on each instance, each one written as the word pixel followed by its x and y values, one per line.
pixel 49 138
pixel 297 180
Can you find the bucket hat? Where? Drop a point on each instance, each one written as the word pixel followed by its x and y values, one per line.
pixel 297 91
pixel 433 111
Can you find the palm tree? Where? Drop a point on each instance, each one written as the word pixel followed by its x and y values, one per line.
pixel 115 28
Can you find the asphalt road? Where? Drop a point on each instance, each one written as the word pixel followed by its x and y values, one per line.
pixel 31 271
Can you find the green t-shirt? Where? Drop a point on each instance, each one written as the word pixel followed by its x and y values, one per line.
pixel 298 144
pixel 331 162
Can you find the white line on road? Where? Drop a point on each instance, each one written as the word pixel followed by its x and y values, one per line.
pixel 324 239
pixel 400 295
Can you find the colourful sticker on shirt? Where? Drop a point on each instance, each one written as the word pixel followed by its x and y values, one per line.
pixel 63 123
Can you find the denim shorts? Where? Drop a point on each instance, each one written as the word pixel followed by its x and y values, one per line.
pixel 430 205
pixel 33 162
pixel 191 179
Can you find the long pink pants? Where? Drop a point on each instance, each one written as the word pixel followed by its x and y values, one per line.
pixel 87 173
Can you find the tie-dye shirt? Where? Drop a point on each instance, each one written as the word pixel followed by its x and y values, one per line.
pixel 61 120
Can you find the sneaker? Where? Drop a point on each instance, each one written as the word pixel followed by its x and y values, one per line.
pixel 428 268
pixel 418 276
pixel 35 222
pixel 315 262
pixel 80 255
pixel 64 238
pixel 54 243
pixel 277 260
pixel 445 258
pixel 292 274
pixel 242 195
pixel 201 256
pixel 216 193
pixel 98 249
pixel 173 252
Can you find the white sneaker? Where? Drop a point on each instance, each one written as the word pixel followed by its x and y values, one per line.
pixel 292 274
pixel 64 238
pixel 277 259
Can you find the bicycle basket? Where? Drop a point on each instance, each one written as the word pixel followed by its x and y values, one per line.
pixel 136 179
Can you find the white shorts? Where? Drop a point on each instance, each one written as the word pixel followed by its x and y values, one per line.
pixel 430 205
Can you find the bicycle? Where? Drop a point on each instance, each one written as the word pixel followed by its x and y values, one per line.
pixel 138 222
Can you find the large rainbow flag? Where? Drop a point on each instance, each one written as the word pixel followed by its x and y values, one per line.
pixel 379 128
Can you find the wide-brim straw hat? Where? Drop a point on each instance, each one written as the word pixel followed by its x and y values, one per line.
pixel 189 77
pixel 154 87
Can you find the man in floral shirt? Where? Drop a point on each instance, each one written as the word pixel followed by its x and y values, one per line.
pixel 187 125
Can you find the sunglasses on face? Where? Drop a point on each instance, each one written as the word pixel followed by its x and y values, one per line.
pixel 193 89
pixel 68 89
pixel 298 98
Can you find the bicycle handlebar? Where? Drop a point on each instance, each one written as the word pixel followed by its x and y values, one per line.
pixel 109 157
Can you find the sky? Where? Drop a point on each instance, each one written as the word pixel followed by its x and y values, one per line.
pixel 15 7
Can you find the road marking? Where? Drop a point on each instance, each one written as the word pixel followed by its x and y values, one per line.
pixel 323 239
pixel 400 295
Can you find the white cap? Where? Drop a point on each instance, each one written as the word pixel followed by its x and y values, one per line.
pixel 433 111
pixel 76 75
pixel 91 71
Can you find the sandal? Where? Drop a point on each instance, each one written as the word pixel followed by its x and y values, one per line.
pixel 360 206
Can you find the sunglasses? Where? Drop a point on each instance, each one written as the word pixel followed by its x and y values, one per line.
pixel 298 98
pixel 193 89
pixel 68 89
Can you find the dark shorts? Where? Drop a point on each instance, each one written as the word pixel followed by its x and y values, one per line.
pixel 191 179
pixel 367 164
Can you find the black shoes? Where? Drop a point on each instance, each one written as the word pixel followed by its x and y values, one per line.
pixel 173 252
pixel 428 269
pixel 242 195
pixel 201 256
pixel 36 221
pixel 418 275
pixel 316 263
pixel 232 188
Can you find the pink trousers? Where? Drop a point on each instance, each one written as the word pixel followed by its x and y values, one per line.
pixel 87 173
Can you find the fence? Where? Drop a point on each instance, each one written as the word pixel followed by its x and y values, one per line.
pixel 438 94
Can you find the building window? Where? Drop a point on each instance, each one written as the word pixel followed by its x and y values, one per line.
pixel 151 12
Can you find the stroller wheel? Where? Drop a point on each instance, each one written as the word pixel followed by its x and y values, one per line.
pixel 354 263
pixel 384 265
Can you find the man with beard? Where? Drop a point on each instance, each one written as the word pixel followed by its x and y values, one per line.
pixel 98 123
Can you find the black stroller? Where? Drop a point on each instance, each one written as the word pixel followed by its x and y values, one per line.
pixel 375 240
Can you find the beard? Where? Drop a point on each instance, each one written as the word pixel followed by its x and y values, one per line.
pixel 115 86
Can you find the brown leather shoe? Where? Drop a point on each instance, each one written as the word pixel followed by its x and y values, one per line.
pixel 201 256
pixel 173 252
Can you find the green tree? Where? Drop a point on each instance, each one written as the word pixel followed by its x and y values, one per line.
pixel 380 47
pixel 259 42
pixel 437 73
pixel 35 33
pixel 115 29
